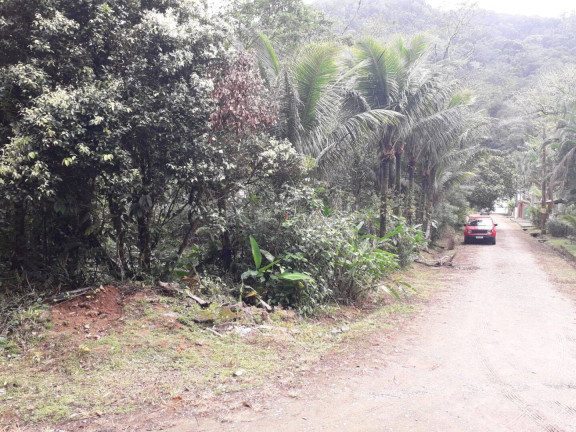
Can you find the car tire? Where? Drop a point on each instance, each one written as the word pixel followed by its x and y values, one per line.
pixel 466 240
pixel 494 241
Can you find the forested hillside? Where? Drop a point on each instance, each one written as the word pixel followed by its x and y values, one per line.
pixel 501 56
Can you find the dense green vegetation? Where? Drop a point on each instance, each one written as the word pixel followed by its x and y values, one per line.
pixel 295 154
pixel 522 72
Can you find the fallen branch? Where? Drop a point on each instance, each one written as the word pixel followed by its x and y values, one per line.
pixel 445 261
pixel 68 295
pixel 203 303
pixel 449 262
pixel 265 305
pixel 175 288
pixel 169 288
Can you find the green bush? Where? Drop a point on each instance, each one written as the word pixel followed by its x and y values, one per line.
pixel 559 228
pixel 337 251
pixel 535 215
pixel 407 241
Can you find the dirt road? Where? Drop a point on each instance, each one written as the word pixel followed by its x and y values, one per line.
pixel 496 353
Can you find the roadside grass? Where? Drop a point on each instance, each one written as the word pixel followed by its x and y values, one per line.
pixel 565 244
pixel 154 358
pixel 564 268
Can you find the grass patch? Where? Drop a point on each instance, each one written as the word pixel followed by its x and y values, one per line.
pixel 565 244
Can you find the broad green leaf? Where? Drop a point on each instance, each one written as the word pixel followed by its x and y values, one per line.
pixel 398 230
pixel 390 290
pixel 267 255
pixel 249 273
pixel 266 267
pixel 294 276
pixel 252 293
pixel 256 252
pixel 267 52
pixel 91 229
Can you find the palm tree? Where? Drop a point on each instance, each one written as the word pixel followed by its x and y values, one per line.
pixel 382 74
pixel 445 160
pixel 428 118
pixel 326 106
pixel 399 78
pixel 564 165
pixel 320 113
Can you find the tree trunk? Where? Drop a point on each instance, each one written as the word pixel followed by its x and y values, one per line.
pixel 420 214
pixel 386 153
pixel 397 180
pixel 225 237
pixel 544 208
pixel 391 177
pixel 550 204
pixel 357 183
pixel 120 237
pixel 384 186
pixel 398 172
pixel 428 197
pixel 144 242
pixel 192 227
pixel 19 242
pixel 145 212
pixel 410 194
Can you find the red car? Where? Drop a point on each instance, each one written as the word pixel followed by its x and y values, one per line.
pixel 480 228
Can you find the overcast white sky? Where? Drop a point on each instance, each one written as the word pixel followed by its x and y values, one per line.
pixel 548 8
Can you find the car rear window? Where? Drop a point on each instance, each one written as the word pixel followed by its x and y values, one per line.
pixel 480 222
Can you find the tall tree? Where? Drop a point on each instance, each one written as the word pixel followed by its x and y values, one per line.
pixel 493 179
pixel 387 80
pixel 109 105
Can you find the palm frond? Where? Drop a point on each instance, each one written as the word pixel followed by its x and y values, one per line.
pixel 353 103
pixel 316 71
pixel 377 78
pixel 356 130
pixel 291 112
pixel 571 219
pixel 560 173
pixel 266 55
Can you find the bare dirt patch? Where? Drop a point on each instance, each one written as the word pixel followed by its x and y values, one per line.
pixel 97 311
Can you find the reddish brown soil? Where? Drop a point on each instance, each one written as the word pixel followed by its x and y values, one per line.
pixel 96 312
pixel 101 305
